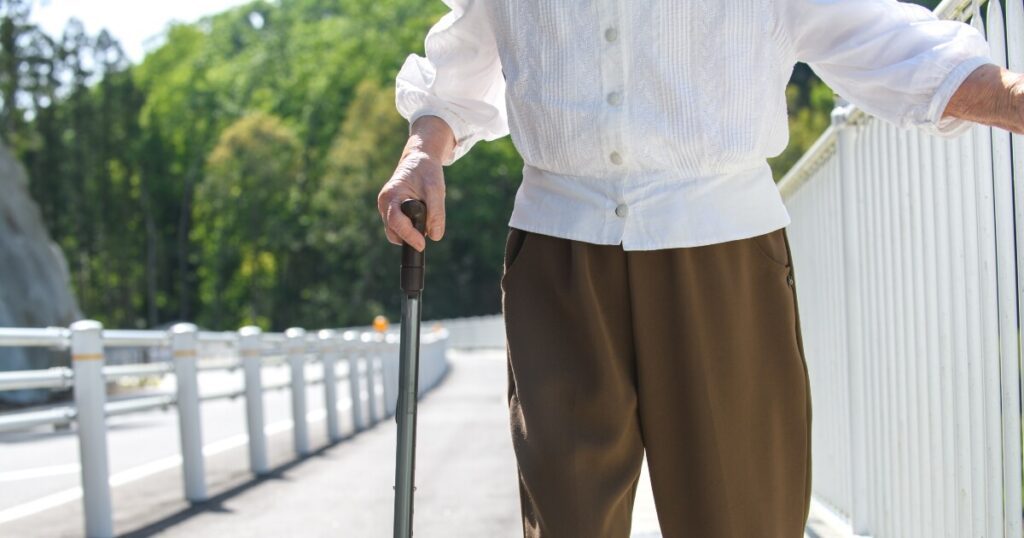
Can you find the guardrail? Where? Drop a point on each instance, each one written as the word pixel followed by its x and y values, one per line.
pixel 368 361
pixel 906 253
pixel 475 332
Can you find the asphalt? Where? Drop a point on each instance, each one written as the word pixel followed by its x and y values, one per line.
pixel 41 463
pixel 465 472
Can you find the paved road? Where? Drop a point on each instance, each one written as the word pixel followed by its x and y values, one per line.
pixel 465 472
pixel 40 467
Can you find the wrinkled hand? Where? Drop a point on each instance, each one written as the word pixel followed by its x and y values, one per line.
pixel 992 96
pixel 419 177
pixel 1017 91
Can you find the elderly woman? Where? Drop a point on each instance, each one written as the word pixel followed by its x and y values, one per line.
pixel 648 293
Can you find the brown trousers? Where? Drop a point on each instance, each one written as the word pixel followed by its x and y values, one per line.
pixel 692 354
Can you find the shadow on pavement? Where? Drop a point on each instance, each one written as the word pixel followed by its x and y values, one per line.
pixel 216 503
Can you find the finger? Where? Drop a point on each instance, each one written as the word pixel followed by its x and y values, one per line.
pixel 435 211
pixel 392 238
pixel 401 226
pixel 387 200
pixel 382 208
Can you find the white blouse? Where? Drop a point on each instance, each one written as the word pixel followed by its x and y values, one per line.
pixel 648 123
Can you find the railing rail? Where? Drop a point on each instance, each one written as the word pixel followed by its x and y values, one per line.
pixel 905 248
pixel 368 361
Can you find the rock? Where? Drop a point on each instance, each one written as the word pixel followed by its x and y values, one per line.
pixel 34 279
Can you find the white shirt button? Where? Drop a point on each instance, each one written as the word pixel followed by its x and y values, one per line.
pixel 615 98
pixel 621 210
pixel 611 34
pixel 615 158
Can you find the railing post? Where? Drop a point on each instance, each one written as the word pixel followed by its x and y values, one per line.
pixel 370 347
pixel 90 400
pixel 427 362
pixel 355 391
pixel 250 348
pixel 379 360
pixel 185 350
pixel 328 358
pixel 296 346
pixel 390 360
pixel 442 350
pixel 860 517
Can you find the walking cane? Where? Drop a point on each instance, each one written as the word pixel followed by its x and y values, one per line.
pixel 408 372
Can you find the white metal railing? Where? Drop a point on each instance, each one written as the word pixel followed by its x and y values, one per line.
pixel 367 360
pixel 475 332
pixel 905 253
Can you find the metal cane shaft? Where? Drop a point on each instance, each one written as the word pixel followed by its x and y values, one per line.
pixel 408 373
pixel 409 381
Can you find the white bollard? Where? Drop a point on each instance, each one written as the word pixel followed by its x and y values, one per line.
pixel 90 400
pixel 353 350
pixel 296 348
pixel 250 348
pixel 379 394
pixel 427 362
pixel 380 380
pixel 328 358
pixel 390 361
pixel 370 349
pixel 442 350
pixel 185 349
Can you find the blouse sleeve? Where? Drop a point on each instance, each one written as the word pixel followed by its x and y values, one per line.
pixel 460 79
pixel 894 60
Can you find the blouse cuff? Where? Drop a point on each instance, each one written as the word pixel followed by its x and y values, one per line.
pixel 951 127
pixel 459 129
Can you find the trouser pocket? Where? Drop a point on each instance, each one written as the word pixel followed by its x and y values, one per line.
pixel 514 244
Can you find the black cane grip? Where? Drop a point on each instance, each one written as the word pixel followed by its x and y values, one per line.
pixel 417 213
pixel 412 259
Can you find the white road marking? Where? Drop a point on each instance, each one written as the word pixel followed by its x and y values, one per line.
pixel 39 472
pixel 38 505
pixel 135 473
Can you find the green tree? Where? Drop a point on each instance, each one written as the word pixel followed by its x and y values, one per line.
pixel 360 266
pixel 810 107
pixel 246 222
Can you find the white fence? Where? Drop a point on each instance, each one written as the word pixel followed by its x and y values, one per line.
pixel 474 332
pixel 368 361
pixel 906 260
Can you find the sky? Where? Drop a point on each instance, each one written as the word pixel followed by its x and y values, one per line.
pixel 132 22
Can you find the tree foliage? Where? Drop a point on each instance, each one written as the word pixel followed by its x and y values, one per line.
pixel 246 212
